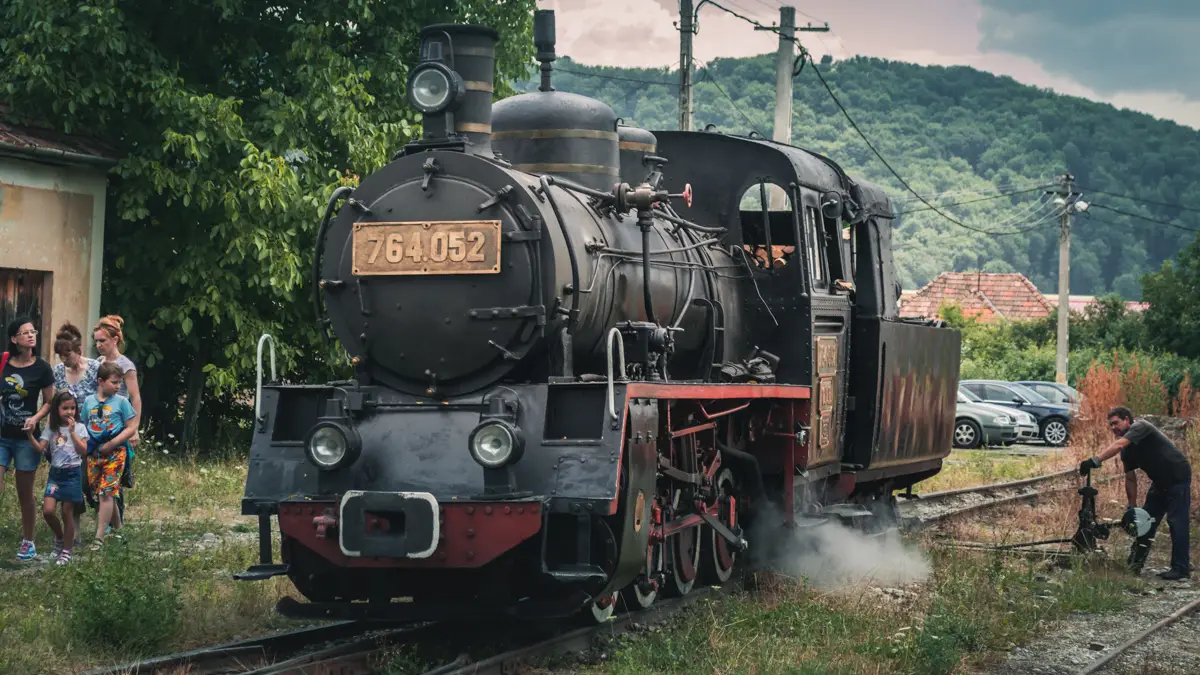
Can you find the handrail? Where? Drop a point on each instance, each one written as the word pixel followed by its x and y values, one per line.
pixel 266 337
pixel 608 350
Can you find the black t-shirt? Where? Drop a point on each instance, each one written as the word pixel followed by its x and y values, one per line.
pixel 19 390
pixel 1152 452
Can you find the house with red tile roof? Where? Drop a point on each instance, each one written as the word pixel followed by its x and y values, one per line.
pixel 986 296
pixel 991 297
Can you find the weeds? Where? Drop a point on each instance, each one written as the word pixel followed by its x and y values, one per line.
pixel 974 606
pixel 121 598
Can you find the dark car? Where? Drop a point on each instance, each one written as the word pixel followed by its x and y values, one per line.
pixel 1054 419
pixel 1063 394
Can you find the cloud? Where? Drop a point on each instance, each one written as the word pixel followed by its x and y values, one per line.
pixel 1110 46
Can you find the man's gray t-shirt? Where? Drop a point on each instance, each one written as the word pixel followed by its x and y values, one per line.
pixel 1154 453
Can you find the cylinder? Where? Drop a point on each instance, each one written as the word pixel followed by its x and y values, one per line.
pixel 559 134
pixel 635 144
pixel 471 51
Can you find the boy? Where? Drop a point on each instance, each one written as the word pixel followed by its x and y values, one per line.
pixel 110 422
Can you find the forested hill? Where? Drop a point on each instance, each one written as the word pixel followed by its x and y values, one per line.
pixel 959 134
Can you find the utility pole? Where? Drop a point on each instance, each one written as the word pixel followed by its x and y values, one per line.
pixel 1067 200
pixel 784 63
pixel 687 18
pixel 783 75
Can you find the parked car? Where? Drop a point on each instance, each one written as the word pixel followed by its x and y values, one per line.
pixel 1054 392
pixel 977 423
pixel 1054 419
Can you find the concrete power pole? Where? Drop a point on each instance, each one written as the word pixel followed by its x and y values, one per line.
pixel 687 30
pixel 783 75
pixel 1068 201
pixel 784 57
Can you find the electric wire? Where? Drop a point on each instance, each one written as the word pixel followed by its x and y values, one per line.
pixel 973 201
pixel 896 174
pixel 584 73
pixel 1145 218
pixel 709 78
pixel 1181 207
pixel 973 192
pixel 804 56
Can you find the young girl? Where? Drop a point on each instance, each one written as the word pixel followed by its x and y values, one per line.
pixel 63 443
pixel 23 378
pixel 77 374
pixel 110 422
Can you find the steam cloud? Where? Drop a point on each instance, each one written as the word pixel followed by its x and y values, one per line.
pixel 832 556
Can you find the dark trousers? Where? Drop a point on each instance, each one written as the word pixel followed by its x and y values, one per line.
pixel 1173 502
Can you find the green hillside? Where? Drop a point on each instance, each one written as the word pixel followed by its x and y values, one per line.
pixel 962 134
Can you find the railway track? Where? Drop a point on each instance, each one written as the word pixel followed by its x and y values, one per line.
pixel 579 640
pixel 294 651
pixel 1109 656
pixel 353 648
pixel 924 510
pixel 357 648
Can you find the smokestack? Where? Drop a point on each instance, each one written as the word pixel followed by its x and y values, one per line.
pixel 468 53
pixel 543 40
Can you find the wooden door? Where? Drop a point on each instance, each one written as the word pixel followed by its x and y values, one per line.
pixel 26 293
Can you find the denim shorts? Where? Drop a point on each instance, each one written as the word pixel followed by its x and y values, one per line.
pixel 19 452
pixel 66 484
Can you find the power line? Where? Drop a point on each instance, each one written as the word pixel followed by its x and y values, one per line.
pixel 1146 218
pixel 1181 207
pixel 584 73
pixel 974 192
pixel 804 56
pixel 981 199
pixel 709 78
pixel 896 174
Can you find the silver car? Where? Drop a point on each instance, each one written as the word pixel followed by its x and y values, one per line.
pixel 977 423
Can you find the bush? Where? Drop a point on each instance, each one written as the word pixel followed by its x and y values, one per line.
pixel 121 598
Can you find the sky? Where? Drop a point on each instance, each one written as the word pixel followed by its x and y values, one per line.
pixel 1140 56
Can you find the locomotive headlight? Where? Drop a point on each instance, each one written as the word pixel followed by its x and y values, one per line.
pixel 495 443
pixel 432 88
pixel 332 445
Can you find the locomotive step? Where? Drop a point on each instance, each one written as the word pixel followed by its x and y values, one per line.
pixel 578 573
pixel 261 572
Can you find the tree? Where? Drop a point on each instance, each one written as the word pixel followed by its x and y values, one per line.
pixel 1173 319
pixel 235 120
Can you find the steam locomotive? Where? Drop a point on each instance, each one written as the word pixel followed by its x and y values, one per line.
pixel 584 356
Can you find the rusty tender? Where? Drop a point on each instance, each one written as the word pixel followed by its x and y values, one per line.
pixel 585 357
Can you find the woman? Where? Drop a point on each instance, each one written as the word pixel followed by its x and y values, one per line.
pixel 76 374
pixel 110 340
pixel 24 377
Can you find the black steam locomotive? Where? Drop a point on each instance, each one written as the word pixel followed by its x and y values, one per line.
pixel 582 352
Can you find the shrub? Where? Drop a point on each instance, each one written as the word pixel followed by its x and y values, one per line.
pixel 121 598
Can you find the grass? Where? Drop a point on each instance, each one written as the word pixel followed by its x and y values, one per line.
pixel 154 591
pixel 968 468
pixel 974 607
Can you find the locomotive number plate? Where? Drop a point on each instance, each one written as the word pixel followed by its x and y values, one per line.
pixel 434 247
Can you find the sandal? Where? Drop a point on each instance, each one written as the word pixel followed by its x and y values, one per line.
pixel 96 546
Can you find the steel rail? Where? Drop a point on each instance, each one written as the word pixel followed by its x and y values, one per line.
pixel 1095 666
pixel 937 496
pixel 348 658
pixel 239 655
pixel 577 640
pixel 919 522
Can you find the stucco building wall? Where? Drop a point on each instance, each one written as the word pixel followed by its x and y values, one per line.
pixel 52 220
